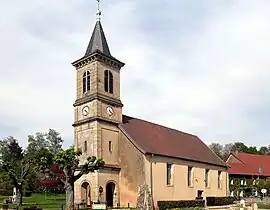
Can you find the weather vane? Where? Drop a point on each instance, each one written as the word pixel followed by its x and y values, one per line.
pixel 98 11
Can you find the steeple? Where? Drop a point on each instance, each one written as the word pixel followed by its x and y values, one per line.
pixel 98 41
pixel 98 48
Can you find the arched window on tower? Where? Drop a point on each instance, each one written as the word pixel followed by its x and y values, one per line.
pixel 86 81
pixel 108 81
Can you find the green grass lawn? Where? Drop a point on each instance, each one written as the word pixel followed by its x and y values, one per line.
pixel 260 206
pixel 46 202
pixel 263 205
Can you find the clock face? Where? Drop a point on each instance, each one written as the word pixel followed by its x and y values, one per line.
pixel 85 110
pixel 110 111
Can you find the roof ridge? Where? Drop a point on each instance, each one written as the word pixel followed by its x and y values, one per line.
pixel 254 154
pixel 156 124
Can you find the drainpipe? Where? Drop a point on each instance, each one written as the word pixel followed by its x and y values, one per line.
pixel 227 183
pixel 151 180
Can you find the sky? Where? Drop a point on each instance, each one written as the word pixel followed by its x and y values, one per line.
pixel 201 67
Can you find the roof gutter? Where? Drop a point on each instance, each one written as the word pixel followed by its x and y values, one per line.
pixel 187 159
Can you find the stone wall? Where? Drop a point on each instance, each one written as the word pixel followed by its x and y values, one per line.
pixel 132 175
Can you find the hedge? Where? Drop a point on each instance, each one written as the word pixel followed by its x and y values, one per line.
pixel 10 193
pixel 6 193
pixel 219 201
pixel 164 205
pixel 27 193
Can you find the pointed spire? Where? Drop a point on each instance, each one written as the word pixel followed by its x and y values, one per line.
pixel 98 40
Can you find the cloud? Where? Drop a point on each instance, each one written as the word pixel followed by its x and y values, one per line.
pixel 200 68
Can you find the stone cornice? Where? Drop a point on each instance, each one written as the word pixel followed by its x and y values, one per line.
pixel 98 56
pixel 106 166
pixel 97 118
pixel 113 167
pixel 98 96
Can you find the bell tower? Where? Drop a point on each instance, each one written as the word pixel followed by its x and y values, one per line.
pixel 98 108
pixel 97 114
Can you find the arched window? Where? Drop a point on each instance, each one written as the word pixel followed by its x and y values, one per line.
pixel 86 81
pixel 85 146
pixel 108 81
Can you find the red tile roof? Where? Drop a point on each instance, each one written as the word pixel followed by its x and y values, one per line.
pixel 156 139
pixel 250 164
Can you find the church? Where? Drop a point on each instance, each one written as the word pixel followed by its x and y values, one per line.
pixel 144 161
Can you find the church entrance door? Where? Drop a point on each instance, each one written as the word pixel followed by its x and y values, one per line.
pixel 85 193
pixel 110 188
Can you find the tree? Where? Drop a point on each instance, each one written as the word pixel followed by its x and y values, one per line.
pixel 263 151
pixel 54 141
pixel 240 147
pixel 263 184
pixel 217 149
pixel 4 179
pixel 252 150
pixel 227 150
pixel 50 140
pixel 10 149
pixel 14 165
pixel 36 143
pixel 68 162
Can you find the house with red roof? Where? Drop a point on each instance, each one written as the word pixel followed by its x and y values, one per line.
pixel 245 171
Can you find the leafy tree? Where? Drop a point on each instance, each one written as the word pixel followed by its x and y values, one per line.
pixel 227 150
pixel 10 149
pixel 263 184
pixel 240 147
pixel 68 162
pixel 50 140
pixel 264 151
pixel 54 141
pixel 36 143
pixel 15 166
pixel 217 149
pixel 252 150
pixel 4 180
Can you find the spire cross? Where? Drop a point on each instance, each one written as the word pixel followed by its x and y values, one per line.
pixel 98 11
pixel 98 4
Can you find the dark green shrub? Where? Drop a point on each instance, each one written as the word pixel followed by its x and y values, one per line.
pixel 27 193
pixel 6 193
pixel 219 201
pixel 164 205
pixel 10 193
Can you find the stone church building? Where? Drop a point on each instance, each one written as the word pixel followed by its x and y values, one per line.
pixel 141 158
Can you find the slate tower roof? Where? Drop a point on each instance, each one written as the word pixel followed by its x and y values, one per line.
pixel 98 41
